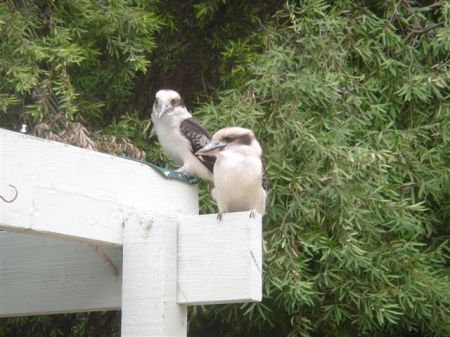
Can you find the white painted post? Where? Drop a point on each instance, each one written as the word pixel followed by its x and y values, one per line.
pixel 149 285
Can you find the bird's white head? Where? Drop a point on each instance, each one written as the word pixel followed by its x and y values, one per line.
pixel 168 102
pixel 232 139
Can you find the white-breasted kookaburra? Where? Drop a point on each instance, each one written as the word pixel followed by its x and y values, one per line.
pixel 239 180
pixel 180 135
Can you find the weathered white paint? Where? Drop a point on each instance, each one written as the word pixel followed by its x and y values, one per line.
pixel 101 202
pixel 149 297
pixel 219 261
pixel 40 275
pixel 80 194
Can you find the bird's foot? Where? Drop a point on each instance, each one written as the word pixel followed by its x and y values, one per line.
pixel 183 171
pixel 252 214
pixel 220 216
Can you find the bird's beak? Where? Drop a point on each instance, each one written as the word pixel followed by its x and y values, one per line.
pixel 210 149
pixel 160 110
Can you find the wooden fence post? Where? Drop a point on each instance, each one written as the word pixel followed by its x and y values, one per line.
pixel 149 286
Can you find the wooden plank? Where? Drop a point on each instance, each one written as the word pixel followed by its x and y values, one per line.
pixel 80 194
pixel 219 261
pixel 42 276
pixel 149 296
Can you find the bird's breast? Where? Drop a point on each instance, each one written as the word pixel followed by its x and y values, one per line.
pixel 237 166
pixel 238 181
pixel 174 144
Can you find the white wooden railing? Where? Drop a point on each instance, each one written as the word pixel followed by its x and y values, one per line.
pixel 87 231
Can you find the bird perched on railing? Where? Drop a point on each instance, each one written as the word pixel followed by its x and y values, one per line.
pixel 180 135
pixel 239 182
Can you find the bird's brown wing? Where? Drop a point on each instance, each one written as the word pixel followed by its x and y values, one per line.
pixel 265 181
pixel 198 137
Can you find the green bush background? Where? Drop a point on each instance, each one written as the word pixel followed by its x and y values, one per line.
pixel 350 102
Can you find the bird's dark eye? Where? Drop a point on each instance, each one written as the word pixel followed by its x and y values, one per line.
pixel 228 139
pixel 173 101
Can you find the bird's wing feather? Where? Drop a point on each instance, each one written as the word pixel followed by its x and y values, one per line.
pixel 198 137
pixel 265 181
pixel 195 133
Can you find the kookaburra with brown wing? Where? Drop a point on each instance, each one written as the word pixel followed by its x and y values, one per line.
pixel 239 180
pixel 180 135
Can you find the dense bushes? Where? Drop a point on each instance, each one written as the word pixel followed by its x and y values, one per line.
pixel 352 108
pixel 76 58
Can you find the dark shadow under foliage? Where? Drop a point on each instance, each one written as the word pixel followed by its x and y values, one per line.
pixel 95 324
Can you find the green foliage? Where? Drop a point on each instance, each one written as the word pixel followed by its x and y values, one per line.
pixel 351 105
pixel 350 102
pixel 204 41
pixel 76 58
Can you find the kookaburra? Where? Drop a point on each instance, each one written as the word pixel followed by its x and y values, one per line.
pixel 180 135
pixel 238 171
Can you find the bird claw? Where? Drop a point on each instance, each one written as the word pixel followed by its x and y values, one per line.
pixel 219 216
pixel 182 171
pixel 252 214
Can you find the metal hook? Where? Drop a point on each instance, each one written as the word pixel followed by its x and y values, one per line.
pixel 15 196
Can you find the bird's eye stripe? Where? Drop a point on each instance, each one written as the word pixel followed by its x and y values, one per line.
pixel 245 140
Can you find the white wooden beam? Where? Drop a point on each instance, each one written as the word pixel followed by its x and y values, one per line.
pixel 39 275
pixel 85 196
pixel 219 261
pixel 79 194
pixel 149 303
